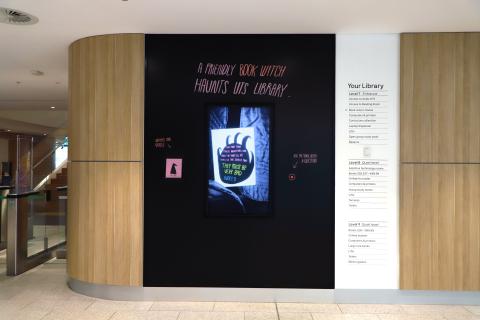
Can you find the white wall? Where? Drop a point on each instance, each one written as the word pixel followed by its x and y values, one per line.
pixel 3 149
pixel 366 173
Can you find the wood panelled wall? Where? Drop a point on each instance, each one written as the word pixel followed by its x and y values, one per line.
pixel 106 98
pixel 105 194
pixel 440 161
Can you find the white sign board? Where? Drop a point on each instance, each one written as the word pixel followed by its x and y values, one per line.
pixel 367 161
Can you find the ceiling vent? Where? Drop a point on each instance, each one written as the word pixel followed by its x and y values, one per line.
pixel 16 17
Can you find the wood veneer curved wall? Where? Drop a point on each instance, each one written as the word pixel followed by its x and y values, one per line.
pixel 105 204
pixel 440 161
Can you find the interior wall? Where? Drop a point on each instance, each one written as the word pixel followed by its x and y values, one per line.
pixel 43 159
pixel 4 150
pixel 366 161
pixel 105 189
pixel 185 246
pixel 440 161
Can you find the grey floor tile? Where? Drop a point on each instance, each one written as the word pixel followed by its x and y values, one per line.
pixel 473 309
pixel 66 305
pixel 182 306
pixel 145 315
pixel 308 307
pixel 202 315
pixel 245 306
pixel 344 316
pixel 452 316
pixel 435 309
pixel 109 305
pixel 371 308
pixel 295 316
pixel 261 315
pixel 410 317
pixel 22 315
pixel 82 315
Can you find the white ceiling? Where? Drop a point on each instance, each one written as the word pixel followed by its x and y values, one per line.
pixel 44 46
pixel 46 118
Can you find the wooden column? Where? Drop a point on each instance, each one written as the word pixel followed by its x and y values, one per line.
pixel 105 183
pixel 440 161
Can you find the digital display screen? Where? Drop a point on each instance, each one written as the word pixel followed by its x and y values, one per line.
pixel 239 160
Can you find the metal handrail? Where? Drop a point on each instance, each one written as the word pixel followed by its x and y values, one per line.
pixel 45 180
pixel 57 145
pixel 22 194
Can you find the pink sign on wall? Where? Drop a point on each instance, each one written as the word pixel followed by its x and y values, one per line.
pixel 173 169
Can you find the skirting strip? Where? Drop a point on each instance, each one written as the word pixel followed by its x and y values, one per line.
pixel 384 296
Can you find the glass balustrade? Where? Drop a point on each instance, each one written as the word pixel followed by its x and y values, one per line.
pixel 46 227
pixel 36 206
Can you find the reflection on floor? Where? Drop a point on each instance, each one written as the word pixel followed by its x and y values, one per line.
pixel 54 233
pixel 41 294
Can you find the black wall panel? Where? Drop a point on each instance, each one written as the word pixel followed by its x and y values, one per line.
pixel 293 247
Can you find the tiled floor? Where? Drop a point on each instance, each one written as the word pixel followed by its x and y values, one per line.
pixel 42 294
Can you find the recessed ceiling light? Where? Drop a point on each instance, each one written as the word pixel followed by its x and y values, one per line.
pixel 16 17
pixel 44 134
pixel 52 107
pixel 37 72
pixel 8 130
